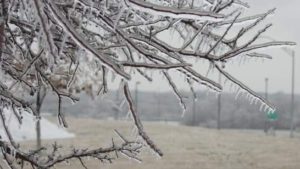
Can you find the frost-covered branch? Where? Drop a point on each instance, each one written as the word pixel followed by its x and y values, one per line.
pixel 72 46
pixel 36 160
pixel 138 122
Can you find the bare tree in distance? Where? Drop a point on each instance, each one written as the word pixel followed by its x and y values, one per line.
pixel 66 46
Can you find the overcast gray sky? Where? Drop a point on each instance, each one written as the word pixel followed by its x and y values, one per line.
pixel 286 27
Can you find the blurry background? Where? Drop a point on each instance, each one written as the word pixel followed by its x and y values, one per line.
pixel 93 119
pixel 163 106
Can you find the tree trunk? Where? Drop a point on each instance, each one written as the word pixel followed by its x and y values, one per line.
pixel 40 96
pixel 3 19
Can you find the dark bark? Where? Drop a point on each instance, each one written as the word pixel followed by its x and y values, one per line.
pixel 3 18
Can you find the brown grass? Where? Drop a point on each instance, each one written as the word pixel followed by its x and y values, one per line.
pixel 188 147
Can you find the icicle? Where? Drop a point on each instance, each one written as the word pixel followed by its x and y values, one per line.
pixel 122 104
pixel 208 70
pixel 266 108
pixel 252 100
pixel 237 95
pixel 207 91
pixel 247 96
pixel 230 87
pixel 217 94
pixel 183 111
pixel 128 115
pixel 273 110
pixel 256 101
pixel 243 93
pixel 113 76
pixel 269 110
pixel 151 74
pixel 134 131
pixel 237 91
pixel 261 106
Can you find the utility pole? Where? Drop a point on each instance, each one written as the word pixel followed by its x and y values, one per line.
pixel 292 109
pixel 266 97
pixel 292 96
pixel 136 96
pixel 194 111
pixel 40 96
pixel 38 123
pixel 266 88
pixel 158 106
pixel 219 107
pixel 117 110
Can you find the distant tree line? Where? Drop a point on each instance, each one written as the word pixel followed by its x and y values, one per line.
pixel 235 113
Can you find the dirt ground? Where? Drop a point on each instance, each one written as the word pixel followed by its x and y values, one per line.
pixel 187 147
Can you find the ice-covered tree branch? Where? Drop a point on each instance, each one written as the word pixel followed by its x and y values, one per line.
pixel 71 46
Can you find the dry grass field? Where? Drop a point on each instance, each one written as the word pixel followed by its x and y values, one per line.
pixel 188 147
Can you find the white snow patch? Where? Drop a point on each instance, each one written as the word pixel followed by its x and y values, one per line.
pixel 27 130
